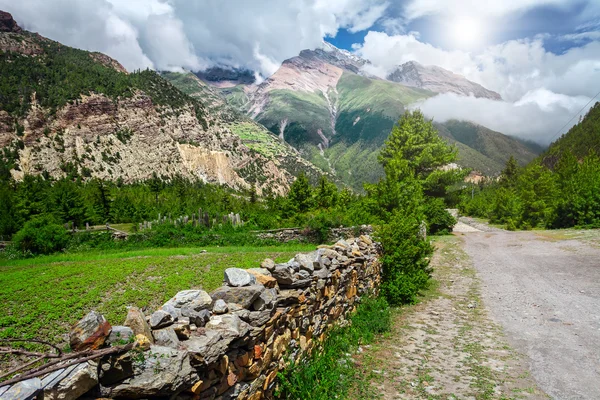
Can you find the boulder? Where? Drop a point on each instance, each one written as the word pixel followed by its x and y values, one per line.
pixel 166 337
pixel 120 335
pixel 71 382
pixel 268 264
pixel 186 296
pixel 244 296
pixel 160 319
pixel 283 273
pixel 164 372
pixel 90 332
pixel 238 277
pixel 115 368
pixel 266 280
pixel 25 390
pixel 220 307
pixel 230 326
pixel 7 23
pixel 137 322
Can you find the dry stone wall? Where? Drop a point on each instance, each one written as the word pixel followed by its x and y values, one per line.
pixel 229 344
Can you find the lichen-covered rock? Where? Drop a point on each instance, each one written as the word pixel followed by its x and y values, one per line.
pixel 244 296
pixel 90 332
pixel 166 337
pixel 120 335
pixel 160 319
pixel 238 277
pixel 164 372
pixel 220 307
pixel 71 382
pixel 137 322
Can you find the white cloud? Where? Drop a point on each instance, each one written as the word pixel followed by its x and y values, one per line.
pixel 537 117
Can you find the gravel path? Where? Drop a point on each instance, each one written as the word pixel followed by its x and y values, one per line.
pixel 545 292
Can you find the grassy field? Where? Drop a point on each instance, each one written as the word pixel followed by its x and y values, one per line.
pixel 42 297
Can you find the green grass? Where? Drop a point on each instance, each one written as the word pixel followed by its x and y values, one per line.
pixel 259 139
pixel 44 296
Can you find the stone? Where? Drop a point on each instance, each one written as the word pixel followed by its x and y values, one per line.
pixel 306 262
pixel 283 274
pixel 236 390
pixel 71 382
pixel 268 264
pixel 266 280
pixel 164 372
pixel 160 319
pixel 262 271
pixel 198 318
pixel 175 312
pixel 182 330
pixel 208 347
pixel 166 337
pixel 229 325
pixel 288 297
pixel 266 300
pixel 120 335
pixel 220 307
pixel 25 390
pixel 90 332
pixel 137 322
pixel 8 24
pixel 238 277
pixel 259 318
pixel 244 296
pixel 322 274
pixel 115 368
pixel 186 296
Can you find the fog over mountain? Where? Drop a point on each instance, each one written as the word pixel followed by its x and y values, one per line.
pixel 545 71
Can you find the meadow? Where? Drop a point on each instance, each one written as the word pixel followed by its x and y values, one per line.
pixel 42 297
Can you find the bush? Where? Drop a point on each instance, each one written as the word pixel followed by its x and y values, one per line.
pixel 405 259
pixel 439 221
pixel 41 235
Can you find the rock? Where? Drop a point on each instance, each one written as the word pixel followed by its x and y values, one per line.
pixel 182 330
pixel 120 335
pixel 229 325
pixel 266 280
pixel 198 318
pixel 71 382
pixel 307 262
pixel 25 390
pixel 266 300
pixel 234 392
pixel 262 271
pixel 166 337
pixel 186 296
pixel 115 368
pixel 208 347
pixel 160 319
pixel 175 312
pixel 288 297
pixel 283 274
pixel 90 332
pixel 238 277
pixel 220 307
pixel 137 322
pixel 259 318
pixel 322 273
pixel 164 372
pixel 268 264
pixel 8 24
pixel 244 296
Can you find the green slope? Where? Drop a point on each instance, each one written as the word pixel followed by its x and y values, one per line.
pixel 579 140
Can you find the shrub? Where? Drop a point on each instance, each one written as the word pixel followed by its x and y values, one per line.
pixel 41 235
pixel 439 221
pixel 405 259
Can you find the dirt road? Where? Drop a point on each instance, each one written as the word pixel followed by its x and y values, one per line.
pixel 544 290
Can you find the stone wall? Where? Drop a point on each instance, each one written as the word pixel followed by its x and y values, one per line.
pixel 229 344
pixel 305 235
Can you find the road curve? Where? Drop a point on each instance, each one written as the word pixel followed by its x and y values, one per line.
pixel 546 295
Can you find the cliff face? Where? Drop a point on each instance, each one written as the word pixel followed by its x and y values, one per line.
pixel 116 126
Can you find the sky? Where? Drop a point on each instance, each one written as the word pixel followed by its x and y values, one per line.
pixel 542 56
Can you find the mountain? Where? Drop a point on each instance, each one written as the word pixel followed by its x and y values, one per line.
pixel 579 140
pixel 438 80
pixel 322 103
pixel 64 110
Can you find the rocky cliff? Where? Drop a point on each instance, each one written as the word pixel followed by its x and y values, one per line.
pixel 68 111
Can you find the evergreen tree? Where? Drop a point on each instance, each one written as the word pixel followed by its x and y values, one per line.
pixel 300 195
pixel 510 173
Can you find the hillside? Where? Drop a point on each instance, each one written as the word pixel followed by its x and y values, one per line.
pixel 579 140
pixel 337 117
pixel 65 110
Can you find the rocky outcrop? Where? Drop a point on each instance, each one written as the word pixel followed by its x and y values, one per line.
pixel 251 332
pixel 438 80
pixel 8 24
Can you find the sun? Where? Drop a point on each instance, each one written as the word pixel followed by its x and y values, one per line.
pixel 466 32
